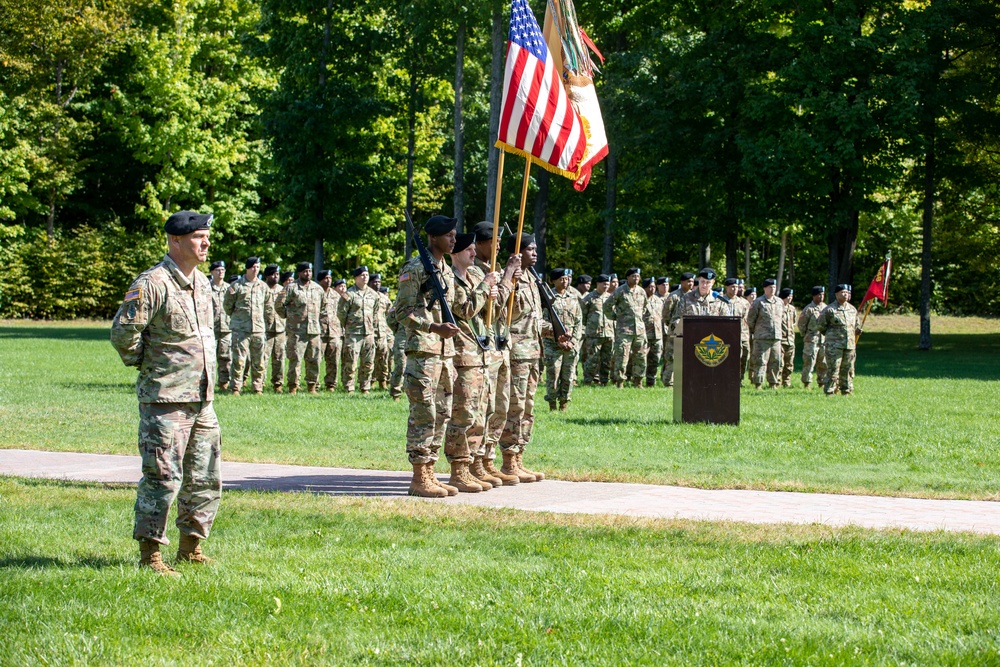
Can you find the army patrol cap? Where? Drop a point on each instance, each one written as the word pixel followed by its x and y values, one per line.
pixel 526 240
pixel 439 225
pixel 583 279
pixel 663 280
pixel 339 281
pixel 707 273
pixel 819 289
pixel 770 281
pixel 844 287
pixel 358 271
pixel 183 223
pixel 556 274
pixel 251 261
pixel 303 266
pixel 603 278
pixel 483 231
pixel 322 274
pixel 218 264
pixel 270 270
pixel 463 241
pixel 633 271
pixel 785 293
pixel 731 281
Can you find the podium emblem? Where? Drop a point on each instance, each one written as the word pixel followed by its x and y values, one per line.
pixel 711 351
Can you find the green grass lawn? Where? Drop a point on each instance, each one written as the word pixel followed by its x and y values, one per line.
pixel 920 423
pixel 308 580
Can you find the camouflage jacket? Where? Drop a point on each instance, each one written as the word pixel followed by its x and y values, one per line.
pixel 693 304
pixel 301 306
pixel 382 330
pixel 567 307
pixel 329 321
pixel 165 327
pixel 788 326
pixel 275 322
pixel 809 322
pixel 248 305
pixel 765 318
pixel 469 307
pixel 653 317
pixel 527 326
pixel 626 307
pixel 670 315
pixel 357 309
pixel 839 323
pixel 221 323
pixel 498 316
pixel 416 315
pixel 737 307
pixel 596 323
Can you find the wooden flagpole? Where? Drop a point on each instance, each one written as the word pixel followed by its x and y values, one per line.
pixel 520 230
pixel 864 319
pixel 495 244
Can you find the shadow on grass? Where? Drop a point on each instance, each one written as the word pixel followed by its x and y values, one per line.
pixel 43 562
pixel 958 356
pixel 381 485
pixel 104 387
pixel 57 333
pixel 617 421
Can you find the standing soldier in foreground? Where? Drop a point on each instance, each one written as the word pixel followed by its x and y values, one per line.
pixel 274 345
pixel 764 320
pixel 813 352
pixel 560 359
pixel 383 334
pixel 223 337
pixel 839 323
pixel 670 305
pixel 737 306
pixel 164 327
pixel 599 340
pixel 626 307
pixel 429 352
pixel 332 333
pixel 653 320
pixel 301 304
pixel 249 303
pixel 787 337
pixel 357 315
pixel 699 302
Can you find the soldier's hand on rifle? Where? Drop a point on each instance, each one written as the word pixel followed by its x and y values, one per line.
pixel 444 329
pixel 565 340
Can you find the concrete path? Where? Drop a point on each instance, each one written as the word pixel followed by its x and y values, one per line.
pixel 645 500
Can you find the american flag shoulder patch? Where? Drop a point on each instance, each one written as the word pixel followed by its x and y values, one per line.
pixel 134 294
pixel 404 277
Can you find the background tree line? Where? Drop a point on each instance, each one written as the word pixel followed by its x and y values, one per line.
pixel 806 138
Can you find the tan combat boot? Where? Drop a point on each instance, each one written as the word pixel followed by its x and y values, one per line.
pixel 452 490
pixel 189 551
pixel 278 389
pixel 312 388
pixel 293 390
pixel 478 470
pixel 423 484
pixel 553 405
pixel 510 467
pixel 564 406
pixel 505 479
pixel 149 556
pixel 236 392
pixel 539 476
pixel 463 481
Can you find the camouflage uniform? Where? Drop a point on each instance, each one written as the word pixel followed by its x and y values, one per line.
pixel 274 344
pixel 839 323
pixel 695 305
pixel 165 327
pixel 740 307
pixel 429 377
pixel 497 374
pixel 560 364
pixel 357 316
pixel 813 352
pixel 332 336
pixel 669 308
pixel 627 306
pixel 383 341
pixel 653 321
pixel 398 355
pixel 599 339
pixel 788 345
pixel 301 305
pixel 223 335
pixel 248 305
pixel 764 321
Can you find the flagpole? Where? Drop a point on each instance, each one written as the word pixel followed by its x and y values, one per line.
pixel 864 319
pixel 495 244
pixel 520 230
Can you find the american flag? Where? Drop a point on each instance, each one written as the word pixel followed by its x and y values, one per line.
pixel 537 120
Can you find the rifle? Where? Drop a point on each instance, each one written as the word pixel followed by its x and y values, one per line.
pixel 433 281
pixel 548 302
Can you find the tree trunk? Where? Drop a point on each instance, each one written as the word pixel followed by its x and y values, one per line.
pixel 704 255
pixel 50 221
pixel 732 248
pixel 496 93
pixel 541 226
pixel 318 256
pixel 459 128
pixel 791 265
pixel 411 140
pixel 746 261
pixel 611 173
pixel 781 258
pixel 925 255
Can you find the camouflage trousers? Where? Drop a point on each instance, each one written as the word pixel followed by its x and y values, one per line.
pixel 359 360
pixel 629 362
pixel 667 373
pixel 524 375
pixel 498 403
pixel 464 436
pixel 744 359
pixel 398 363
pixel 303 346
pixel 560 372
pixel 654 353
pixel 248 347
pixel 597 367
pixel 224 357
pixel 813 357
pixel 787 363
pixel 274 349
pixel 332 349
pixel 383 360
pixel 840 370
pixel 428 382
pixel 765 354
pixel 181 447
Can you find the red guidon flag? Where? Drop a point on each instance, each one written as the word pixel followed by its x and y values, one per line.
pixel 537 120
pixel 879 289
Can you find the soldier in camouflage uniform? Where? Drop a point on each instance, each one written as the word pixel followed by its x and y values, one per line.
pixel 765 318
pixel 670 305
pixel 737 306
pixel 301 304
pixel 626 307
pixel 653 321
pixel 582 286
pixel 813 345
pixel 274 343
pixel 430 349
pixel 357 316
pixel 398 355
pixel 248 303
pixel 839 324
pixel 383 334
pixel 698 302
pixel 331 334
pixel 165 328
pixel 787 337
pixel 223 336
pixel 599 334
pixel 560 360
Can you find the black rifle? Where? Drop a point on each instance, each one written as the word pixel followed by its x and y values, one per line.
pixel 434 282
pixel 548 302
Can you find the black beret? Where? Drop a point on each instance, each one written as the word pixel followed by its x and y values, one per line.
pixel 251 261
pixel 632 271
pixel 463 241
pixel 285 275
pixel 663 280
pixel 785 293
pixel 707 273
pixel 439 225
pixel 374 276
pixel 182 223
pixel 583 279
pixel 322 274
pixel 770 281
pixel 819 289
pixel 483 231
pixel 384 290
pixel 270 269
pixel 358 271
pixel 233 278
pixel 302 266
pixel 217 264
pixel 739 281
pixel 603 278
pixel 844 287
pixel 526 240
pixel 731 281
pixel 556 274
pixel 646 282
pixel 687 275
pixel 612 276
pixel 751 290
pixel 339 281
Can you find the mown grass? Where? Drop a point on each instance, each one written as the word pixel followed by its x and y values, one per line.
pixel 312 580
pixel 920 423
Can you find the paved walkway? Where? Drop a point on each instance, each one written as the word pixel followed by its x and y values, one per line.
pixel 646 500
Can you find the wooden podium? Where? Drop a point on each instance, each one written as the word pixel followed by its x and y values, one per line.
pixel 707 371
